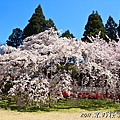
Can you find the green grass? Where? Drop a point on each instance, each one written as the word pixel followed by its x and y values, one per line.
pixel 93 105
pixel 89 105
pixel 63 105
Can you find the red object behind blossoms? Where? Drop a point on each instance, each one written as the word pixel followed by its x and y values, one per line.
pixel 65 94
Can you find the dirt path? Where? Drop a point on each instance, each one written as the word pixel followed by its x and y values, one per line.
pixel 12 115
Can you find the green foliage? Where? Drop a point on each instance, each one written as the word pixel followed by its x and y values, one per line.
pixel 50 23
pixel 111 28
pixel 118 29
pixel 67 34
pixel 93 26
pixel 15 39
pixel 67 67
pixel 37 23
pixel 7 87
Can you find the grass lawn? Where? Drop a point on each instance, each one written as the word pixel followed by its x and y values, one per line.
pixel 64 110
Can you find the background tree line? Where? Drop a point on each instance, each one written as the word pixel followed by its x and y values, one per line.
pixel 37 23
pixel 95 24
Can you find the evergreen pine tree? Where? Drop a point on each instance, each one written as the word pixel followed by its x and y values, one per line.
pixel 118 29
pixel 93 26
pixel 50 23
pixel 37 23
pixel 111 28
pixel 67 34
pixel 15 39
pixel 118 32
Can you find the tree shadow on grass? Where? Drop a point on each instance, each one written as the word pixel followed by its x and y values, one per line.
pixel 90 105
pixel 96 104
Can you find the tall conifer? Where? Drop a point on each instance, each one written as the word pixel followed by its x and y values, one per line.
pixel 36 23
pixel 111 28
pixel 15 39
pixel 67 34
pixel 93 26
